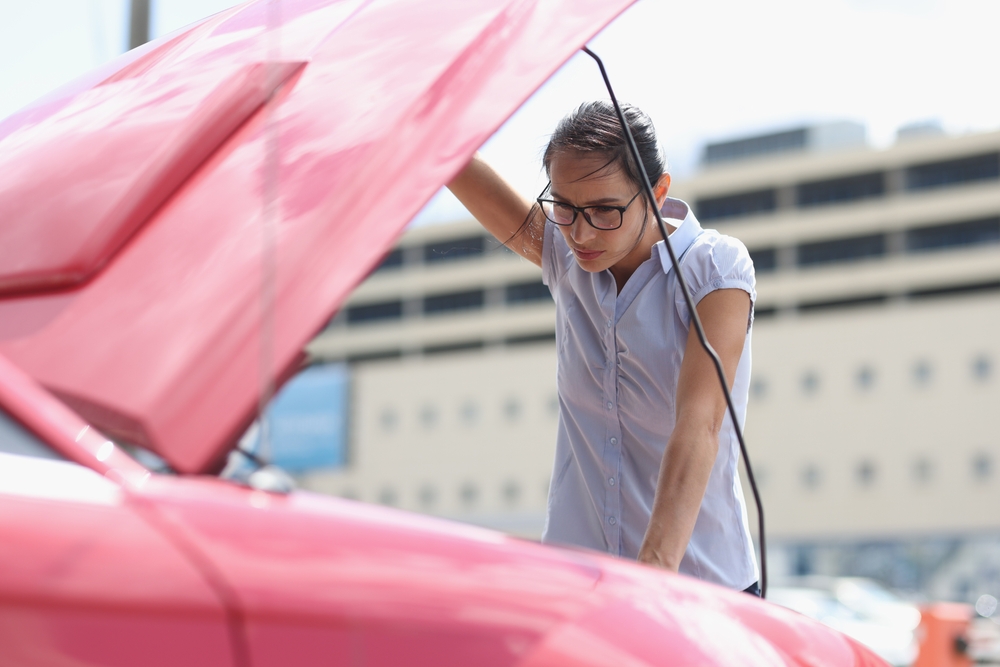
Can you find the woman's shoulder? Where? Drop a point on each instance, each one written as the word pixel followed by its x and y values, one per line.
pixel 719 254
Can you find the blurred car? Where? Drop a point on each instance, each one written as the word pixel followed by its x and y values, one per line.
pixel 174 228
pixel 860 608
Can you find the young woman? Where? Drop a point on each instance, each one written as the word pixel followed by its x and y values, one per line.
pixel 646 455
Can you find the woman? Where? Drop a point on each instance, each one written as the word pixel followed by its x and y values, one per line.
pixel 646 455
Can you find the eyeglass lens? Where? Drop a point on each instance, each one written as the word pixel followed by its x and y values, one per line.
pixel 602 217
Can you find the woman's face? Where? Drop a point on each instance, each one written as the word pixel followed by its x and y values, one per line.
pixel 579 180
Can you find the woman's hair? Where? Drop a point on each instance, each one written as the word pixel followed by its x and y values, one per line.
pixel 594 128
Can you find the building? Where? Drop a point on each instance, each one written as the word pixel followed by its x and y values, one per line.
pixel 875 349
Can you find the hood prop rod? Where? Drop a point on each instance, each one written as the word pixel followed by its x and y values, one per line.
pixel 695 320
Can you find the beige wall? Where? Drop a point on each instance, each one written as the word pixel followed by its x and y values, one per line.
pixel 483 420
pixel 922 437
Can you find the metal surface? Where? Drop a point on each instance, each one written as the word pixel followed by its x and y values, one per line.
pixel 161 347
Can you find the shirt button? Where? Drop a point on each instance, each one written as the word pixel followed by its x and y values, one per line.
pixel 610 405
pixel 614 441
pixel 612 521
pixel 609 324
pixel 611 481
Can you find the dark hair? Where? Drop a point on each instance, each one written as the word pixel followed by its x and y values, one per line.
pixel 594 128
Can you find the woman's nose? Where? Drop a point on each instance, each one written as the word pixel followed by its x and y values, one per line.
pixel 582 232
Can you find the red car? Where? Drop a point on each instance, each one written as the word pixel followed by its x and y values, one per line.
pixel 174 228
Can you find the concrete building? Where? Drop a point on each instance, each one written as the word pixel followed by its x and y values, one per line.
pixel 871 421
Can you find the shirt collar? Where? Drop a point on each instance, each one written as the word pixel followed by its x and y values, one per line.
pixel 686 230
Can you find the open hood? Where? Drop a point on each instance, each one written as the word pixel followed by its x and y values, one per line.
pixel 261 161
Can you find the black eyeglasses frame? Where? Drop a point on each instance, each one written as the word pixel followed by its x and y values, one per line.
pixel 583 210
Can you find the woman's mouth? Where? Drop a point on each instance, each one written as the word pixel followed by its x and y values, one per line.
pixel 587 255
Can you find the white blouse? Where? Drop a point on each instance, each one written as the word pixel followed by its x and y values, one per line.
pixel 619 357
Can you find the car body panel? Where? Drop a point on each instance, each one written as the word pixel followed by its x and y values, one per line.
pixel 163 346
pixel 99 569
pixel 85 580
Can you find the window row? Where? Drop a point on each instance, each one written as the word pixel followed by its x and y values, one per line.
pixel 982 231
pixel 428 497
pixel 442 251
pixel 456 346
pixel 866 473
pixel 447 302
pixel 430 415
pixel 855 187
pixel 866 376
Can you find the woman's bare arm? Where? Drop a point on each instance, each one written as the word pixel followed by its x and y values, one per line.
pixel 694 444
pixel 500 209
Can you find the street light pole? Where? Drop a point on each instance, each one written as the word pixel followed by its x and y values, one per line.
pixel 138 33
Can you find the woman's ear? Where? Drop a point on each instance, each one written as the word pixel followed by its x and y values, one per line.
pixel 661 188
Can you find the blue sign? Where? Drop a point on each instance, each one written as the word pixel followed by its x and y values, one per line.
pixel 307 420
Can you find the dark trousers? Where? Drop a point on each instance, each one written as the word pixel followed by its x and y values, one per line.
pixel 753 589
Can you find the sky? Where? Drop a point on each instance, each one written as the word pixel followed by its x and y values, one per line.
pixel 704 71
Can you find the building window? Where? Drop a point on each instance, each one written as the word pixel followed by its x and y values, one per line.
pixel 982 368
pixel 447 348
pixel 393 260
pixel 937 237
pixel 453 301
pixel 840 190
pixel 427 496
pixel 443 251
pixel 370 312
pixel 524 292
pixel 512 409
pixel 865 377
pixel 468 494
pixel 764 260
pixel 810 383
pixel 866 472
pixel 811 477
pixel 387 496
pixel 982 466
pixel 841 250
pixel 388 419
pixel 922 372
pixel 737 205
pixel 841 304
pixel 469 413
pixel 529 339
pixel 952 172
pixel 923 470
pixel 511 492
pixel 428 416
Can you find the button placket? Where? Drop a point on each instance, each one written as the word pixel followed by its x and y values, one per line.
pixel 612 448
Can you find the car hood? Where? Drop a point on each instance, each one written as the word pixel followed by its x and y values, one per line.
pixel 410 586
pixel 178 225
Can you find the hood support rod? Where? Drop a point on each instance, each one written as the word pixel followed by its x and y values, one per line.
pixel 695 320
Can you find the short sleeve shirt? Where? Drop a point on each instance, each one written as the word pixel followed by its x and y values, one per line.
pixel 619 358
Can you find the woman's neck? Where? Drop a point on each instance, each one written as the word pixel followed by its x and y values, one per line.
pixel 642 251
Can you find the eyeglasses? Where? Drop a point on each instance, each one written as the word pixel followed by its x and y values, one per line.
pixel 602 217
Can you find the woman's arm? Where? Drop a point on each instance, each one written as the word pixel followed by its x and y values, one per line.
pixel 701 408
pixel 500 209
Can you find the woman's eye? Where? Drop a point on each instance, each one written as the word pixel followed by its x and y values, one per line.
pixel 603 210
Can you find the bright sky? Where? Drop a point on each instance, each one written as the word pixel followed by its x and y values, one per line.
pixel 704 70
